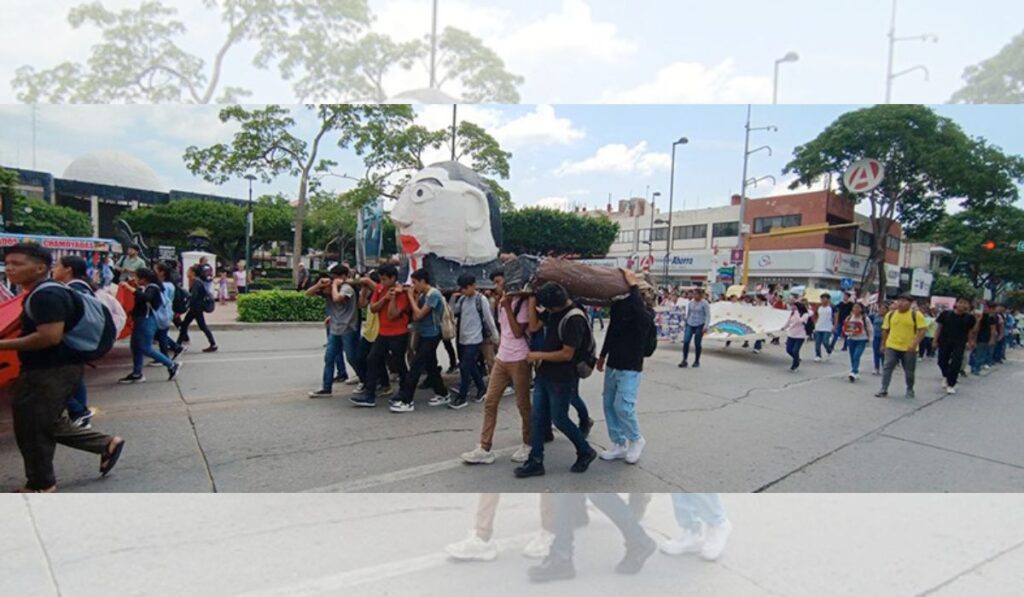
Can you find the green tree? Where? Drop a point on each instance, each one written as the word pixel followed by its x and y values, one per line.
pixel 540 231
pixel 954 285
pixel 35 216
pixel 172 223
pixel 967 233
pixel 997 80
pixel 268 146
pixel 323 46
pixel 272 218
pixel 928 160
pixel 332 221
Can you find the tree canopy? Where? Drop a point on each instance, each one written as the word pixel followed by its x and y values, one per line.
pixel 540 231
pixel 928 159
pixel 324 47
pixel 35 216
pixel 967 234
pixel 997 80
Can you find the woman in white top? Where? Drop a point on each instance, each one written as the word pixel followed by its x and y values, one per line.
pixel 796 332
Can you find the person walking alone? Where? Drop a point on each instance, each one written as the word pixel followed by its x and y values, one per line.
pixel 902 331
pixel 796 332
pixel 697 318
pixel 199 297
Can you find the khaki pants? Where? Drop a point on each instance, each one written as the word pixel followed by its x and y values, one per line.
pixel 488 507
pixel 488 350
pixel 40 422
pixel 518 374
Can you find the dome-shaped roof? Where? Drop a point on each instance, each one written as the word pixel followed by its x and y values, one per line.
pixel 427 95
pixel 114 168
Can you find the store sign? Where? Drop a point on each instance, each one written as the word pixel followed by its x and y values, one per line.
pixel 790 261
pixel 921 282
pixel 892 276
pixel 56 243
pixel 167 253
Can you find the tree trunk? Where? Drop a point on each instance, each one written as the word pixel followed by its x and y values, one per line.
pixel 300 216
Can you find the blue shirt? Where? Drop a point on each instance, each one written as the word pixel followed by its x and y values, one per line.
pixel 430 326
pixel 876 322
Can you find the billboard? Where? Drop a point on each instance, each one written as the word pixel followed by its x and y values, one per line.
pixel 369 234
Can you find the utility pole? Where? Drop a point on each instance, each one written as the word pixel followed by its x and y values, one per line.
pixel 747 152
pixel 455 109
pixel 890 76
pixel 433 48
pixel 35 109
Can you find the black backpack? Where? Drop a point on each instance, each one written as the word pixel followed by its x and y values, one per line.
pixel 809 326
pixel 585 358
pixel 181 300
pixel 650 330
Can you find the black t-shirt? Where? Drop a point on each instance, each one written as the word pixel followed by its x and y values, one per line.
pixel 49 305
pixel 844 309
pixel 575 332
pixel 955 328
pixel 985 331
pixel 148 299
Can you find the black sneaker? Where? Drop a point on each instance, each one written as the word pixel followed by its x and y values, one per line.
pixel 173 371
pixel 683 364
pixel 549 436
pixel 881 394
pixel 586 426
pixel 321 393
pixel 530 468
pixel 552 568
pixel 696 364
pixel 583 461
pixel 633 561
pixel 177 351
pixel 341 379
pixel 210 348
pixel 457 402
pixel 132 379
pixel 363 400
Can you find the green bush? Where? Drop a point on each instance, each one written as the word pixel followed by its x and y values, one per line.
pixel 279 305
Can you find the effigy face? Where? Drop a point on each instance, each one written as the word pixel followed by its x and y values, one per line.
pixel 449 211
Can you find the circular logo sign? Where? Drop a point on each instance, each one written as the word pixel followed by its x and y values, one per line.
pixel 864 175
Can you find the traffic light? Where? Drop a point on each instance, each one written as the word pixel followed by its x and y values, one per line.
pixel 988 245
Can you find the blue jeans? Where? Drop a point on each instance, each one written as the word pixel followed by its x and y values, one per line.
pixel 551 400
pixel 580 405
pixel 999 352
pixel 876 352
pixel 822 338
pixel 691 509
pixel 696 332
pixel 78 403
pixel 856 348
pixel 163 339
pixel 469 369
pixel 835 338
pixel 980 356
pixel 142 345
pixel 620 391
pixel 566 508
pixel 339 347
pixel 793 346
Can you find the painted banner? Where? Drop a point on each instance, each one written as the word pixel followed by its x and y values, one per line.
pixel 729 322
pixel 369 232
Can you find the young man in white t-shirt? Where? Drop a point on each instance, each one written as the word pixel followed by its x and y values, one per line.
pixel 823 326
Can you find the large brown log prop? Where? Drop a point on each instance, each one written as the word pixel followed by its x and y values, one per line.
pixel 585 283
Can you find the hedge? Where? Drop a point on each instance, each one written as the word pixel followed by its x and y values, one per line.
pixel 279 305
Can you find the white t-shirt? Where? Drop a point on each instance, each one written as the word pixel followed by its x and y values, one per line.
pixel 824 322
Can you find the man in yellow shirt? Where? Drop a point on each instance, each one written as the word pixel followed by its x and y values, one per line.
pixel 902 331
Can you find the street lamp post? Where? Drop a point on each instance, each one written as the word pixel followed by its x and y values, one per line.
pixel 433 47
pixel 747 152
pixel 789 57
pixel 248 227
pixel 650 247
pixel 890 76
pixel 671 202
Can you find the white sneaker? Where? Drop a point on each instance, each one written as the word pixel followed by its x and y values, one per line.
pixel 817 359
pixel 540 546
pixel 522 454
pixel 401 407
pixel 509 391
pixel 352 381
pixel 687 542
pixel 616 452
pixel 478 456
pixel 635 449
pixel 438 401
pixel 950 390
pixel 715 541
pixel 473 548
pixel 757 351
pixel 361 388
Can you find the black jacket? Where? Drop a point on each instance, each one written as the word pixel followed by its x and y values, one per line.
pixel 624 343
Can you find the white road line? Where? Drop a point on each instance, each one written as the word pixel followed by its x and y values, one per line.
pixel 400 475
pixel 334 583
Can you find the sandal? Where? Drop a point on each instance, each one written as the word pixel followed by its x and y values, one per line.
pixel 110 459
pixel 51 489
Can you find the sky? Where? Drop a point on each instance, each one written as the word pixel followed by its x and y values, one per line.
pixel 641 51
pixel 562 154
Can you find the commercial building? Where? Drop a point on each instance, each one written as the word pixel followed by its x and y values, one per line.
pixel 705 243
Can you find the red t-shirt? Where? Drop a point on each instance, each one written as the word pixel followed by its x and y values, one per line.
pixel 388 326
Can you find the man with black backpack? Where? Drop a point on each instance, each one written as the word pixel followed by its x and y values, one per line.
pixel 58 334
pixel 631 332
pixel 566 357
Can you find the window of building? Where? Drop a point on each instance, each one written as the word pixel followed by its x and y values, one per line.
pixel 690 232
pixel 625 236
pixel 762 225
pixel 892 243
pixel 725 229
pixel 645 235
pixel 659 234
pixel 865 239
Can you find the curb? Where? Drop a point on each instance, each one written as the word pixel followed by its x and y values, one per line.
pixel 234 326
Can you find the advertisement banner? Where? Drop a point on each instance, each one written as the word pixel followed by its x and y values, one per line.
pixel 369 234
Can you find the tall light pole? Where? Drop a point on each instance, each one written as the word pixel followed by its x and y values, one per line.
pixel 789 57
pixel 671 202
pixel 890 76
pixel 650 247
pixel 248 228
pixel 433 48
pixel 747 152
pixel 455 113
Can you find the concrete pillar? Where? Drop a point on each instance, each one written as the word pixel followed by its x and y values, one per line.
pixel 94 214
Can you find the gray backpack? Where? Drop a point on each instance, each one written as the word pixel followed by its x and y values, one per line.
pixel 94 335
pixel 585 358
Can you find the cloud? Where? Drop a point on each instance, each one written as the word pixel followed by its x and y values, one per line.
pixel 571 31
pixel 539 127
pixel 692 82
pixel 617 158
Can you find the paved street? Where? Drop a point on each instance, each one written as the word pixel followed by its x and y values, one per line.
pixel 239 420
pixel 942 545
